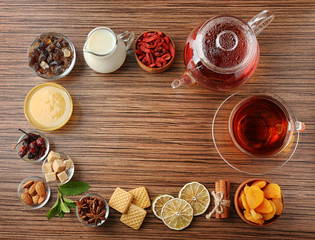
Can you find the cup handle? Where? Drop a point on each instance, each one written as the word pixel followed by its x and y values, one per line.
pixel 299 126
pixel 261 21
pixel 127 37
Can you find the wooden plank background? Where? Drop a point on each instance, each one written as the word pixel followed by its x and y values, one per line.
pixel 130 128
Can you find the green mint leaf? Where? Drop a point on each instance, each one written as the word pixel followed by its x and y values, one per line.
pixel 54 210
pixel 73 188
pixel 64 207
pixel 69 202
pixel 60 212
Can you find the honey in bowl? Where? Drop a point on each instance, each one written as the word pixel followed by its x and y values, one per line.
pixel 48 106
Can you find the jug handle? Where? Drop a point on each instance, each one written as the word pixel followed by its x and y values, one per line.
pixel 127 37
pixel 260 21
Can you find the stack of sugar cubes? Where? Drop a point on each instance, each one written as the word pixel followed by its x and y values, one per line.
pixel 57 168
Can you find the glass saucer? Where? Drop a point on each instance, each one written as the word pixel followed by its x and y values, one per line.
pixel 240 161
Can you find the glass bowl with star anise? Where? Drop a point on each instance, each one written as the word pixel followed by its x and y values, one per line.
pixel 92 210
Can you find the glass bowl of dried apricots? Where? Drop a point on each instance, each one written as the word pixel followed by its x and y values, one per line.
pixel 258 202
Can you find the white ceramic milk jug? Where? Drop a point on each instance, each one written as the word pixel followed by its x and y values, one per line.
pixel 104 51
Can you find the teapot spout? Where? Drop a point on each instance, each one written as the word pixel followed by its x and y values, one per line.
pixel 186 79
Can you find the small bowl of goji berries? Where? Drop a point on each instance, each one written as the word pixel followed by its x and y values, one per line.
pixel 154 51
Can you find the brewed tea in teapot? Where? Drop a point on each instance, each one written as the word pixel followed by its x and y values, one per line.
pixel 223 52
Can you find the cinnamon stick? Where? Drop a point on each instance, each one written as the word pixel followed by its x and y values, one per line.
pixel 217 189
pixel 222 187
pixel 226 209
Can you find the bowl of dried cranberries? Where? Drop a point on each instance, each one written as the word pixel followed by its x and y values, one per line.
pixel 32 146
pixel 154 51
pixel 51 55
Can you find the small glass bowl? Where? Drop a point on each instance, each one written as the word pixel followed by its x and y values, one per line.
pixel 20 144
pixel 21 190
pixel 106 208
pixel 68 106
pixel 69 172
pixel 239 210
pixel 68 70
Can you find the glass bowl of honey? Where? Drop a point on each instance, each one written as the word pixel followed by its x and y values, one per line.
pixel 48 106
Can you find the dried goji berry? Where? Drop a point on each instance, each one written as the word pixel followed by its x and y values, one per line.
pixel 154 49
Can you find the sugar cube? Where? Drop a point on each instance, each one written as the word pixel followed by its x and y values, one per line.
pixel 50 177
pixel 58 165
pixel 63 176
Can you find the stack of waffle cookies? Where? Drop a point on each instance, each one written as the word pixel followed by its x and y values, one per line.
pixel 131 204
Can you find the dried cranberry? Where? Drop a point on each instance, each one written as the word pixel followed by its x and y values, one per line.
pixel 40 142
pixel 23 151
pixel 42 152
pixel 33 148
pixel 30 156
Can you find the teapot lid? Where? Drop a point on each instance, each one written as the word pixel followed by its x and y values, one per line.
pixel 226 44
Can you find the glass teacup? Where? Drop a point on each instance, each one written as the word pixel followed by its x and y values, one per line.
pixel 255 132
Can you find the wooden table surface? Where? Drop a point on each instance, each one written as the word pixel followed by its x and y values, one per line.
pixel 130 128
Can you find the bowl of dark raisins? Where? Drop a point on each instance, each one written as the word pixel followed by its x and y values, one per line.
pixel 32 146
pixel 51 56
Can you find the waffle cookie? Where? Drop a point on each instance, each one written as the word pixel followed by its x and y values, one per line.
pixel 140 197
pixel 120 200
pixel 134 217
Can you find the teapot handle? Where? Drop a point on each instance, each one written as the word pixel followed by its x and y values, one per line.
pixel 127 37
pixel 260 21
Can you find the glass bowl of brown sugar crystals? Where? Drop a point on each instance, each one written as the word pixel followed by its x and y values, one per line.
pixel 51 55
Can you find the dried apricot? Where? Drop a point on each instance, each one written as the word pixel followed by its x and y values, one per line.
pixel 239 200
pixel 254 196
pixel 249 217
pixel 278 205
pixel 264 207
pixel 245 189
pixel 268 216
pixel 259 183
pixel 255 214
pixel 244 202
pixel 272 190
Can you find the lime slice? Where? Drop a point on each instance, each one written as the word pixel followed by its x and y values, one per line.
pixel 197 196
pixel 158 203
pixel 177 214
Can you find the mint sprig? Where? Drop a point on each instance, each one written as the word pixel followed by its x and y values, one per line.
pixel 63 205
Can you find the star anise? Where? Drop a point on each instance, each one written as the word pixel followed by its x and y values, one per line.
pixel 96 218
pixel 81 206
pixel 91 210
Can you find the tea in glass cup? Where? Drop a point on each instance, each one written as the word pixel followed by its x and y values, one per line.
pixel 260 125
pixel 255 131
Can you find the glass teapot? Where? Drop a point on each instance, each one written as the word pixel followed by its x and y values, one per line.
pixel 222 53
